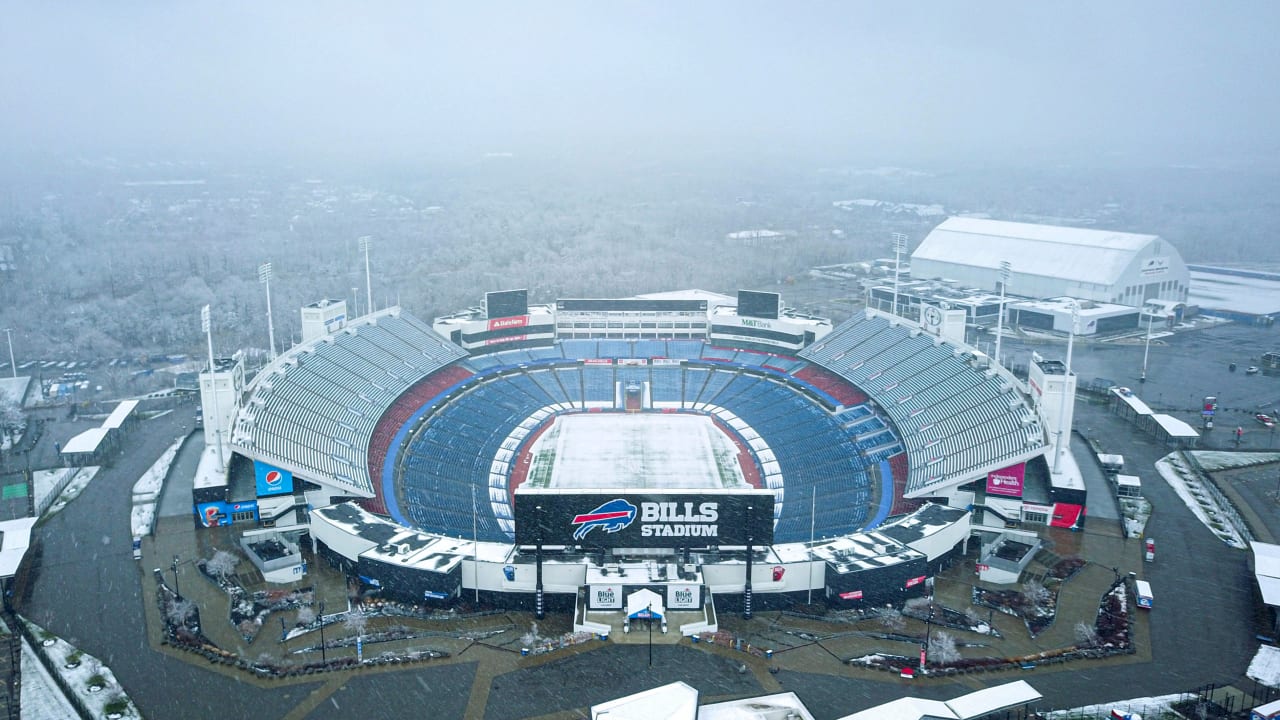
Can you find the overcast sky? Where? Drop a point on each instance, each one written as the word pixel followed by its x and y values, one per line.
pixel 1175 82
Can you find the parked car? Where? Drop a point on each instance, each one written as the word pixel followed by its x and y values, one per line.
pixel 137 548
pixel 1265 420
pixel 1251 370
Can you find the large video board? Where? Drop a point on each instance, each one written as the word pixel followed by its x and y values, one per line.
pixel 506 303
pixel 630 519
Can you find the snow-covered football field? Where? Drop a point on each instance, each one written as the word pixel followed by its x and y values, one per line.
pixel 634 450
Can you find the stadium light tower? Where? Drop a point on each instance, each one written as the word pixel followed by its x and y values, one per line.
pixel 355 309
pixel 1062 406
pixel 13 366
pixel 1004 283
pixel 207 326
pixel 264 277
pixel 899 247
pixel 365 242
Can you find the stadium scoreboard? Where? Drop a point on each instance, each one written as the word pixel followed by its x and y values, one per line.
pixel 630 519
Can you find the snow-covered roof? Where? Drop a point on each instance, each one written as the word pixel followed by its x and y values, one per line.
pixel 765 707
pixel 712 298
pixel 993 699
pixel 1095 256
pixel 1234 290
pixel 86 442
pixel 15 387
pixel 15 538
pixel 1175 427
pixel 676 701
pixel 907 708
pixel 120 414
pixel 1266 570
pixel 1265 668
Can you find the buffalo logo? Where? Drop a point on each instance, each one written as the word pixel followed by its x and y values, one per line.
pixel 273 478
pixel 612 516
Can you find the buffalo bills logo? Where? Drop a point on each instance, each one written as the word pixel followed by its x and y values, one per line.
pixel 612 516
pixel 273 478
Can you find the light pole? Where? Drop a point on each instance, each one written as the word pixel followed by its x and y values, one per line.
pixel 264 277
pixel 1062 406
pixel 176 590
pixel 323 658
pixel 365 242
pixel 207 326
pixel 899 247
pixel 1004 283
pixel 355 293
pixel 649 613
pixel 1147 349
pixel 13 366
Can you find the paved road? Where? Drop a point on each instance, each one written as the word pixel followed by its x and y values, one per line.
pixel 88 590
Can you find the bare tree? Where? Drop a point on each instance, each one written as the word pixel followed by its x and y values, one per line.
pixel 1086 635
pixel 917 606
pixel 892 619
pixel 942 648
pixel 306 615
pixel 222 565
pixel 179 611
pixel 1035 593
pixel 355 622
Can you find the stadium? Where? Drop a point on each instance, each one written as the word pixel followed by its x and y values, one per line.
pixel 587 453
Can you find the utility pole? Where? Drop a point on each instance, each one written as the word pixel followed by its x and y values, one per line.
pixel 177 592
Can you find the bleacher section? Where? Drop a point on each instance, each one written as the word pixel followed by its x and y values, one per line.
pixel 955 417
pixel 315 409
pixel 804 448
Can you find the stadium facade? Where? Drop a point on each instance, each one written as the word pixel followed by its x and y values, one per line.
pixel 848 461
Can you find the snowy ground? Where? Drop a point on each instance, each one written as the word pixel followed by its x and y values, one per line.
pixel 41 697
pixel 1146 707
pixel 1265 667
pixel 146 491
pixel 1213 460
pixel 1202 502
pixel 94 682
pixel 636 451
pixel 46 485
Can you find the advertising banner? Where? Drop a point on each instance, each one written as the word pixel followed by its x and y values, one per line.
pixel 271 480
pixel 912 582
pixel 674 518
pixel 1067 515
pixel 683 597
pixel 851 595
pixel 507 322
pixel 214 514
pixel 1007 481
pixel 605 597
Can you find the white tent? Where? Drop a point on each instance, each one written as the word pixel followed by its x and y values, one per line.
pixel 645 603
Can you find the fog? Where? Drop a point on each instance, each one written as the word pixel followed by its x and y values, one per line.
pixel 1149 82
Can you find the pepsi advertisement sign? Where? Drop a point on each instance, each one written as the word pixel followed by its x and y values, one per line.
pixel 271 480
pixel 214 514
pixel 670 519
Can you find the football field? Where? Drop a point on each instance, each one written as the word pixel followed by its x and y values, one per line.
pixel 634 451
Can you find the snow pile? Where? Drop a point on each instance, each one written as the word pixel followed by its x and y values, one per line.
pixel 1147 707
pixel 1203 502
pixel 148 487
pixel 94 683
pixel 76 485
pixel 41 697
pixel 1265 667
pixel 142 519
pixel 1213 460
